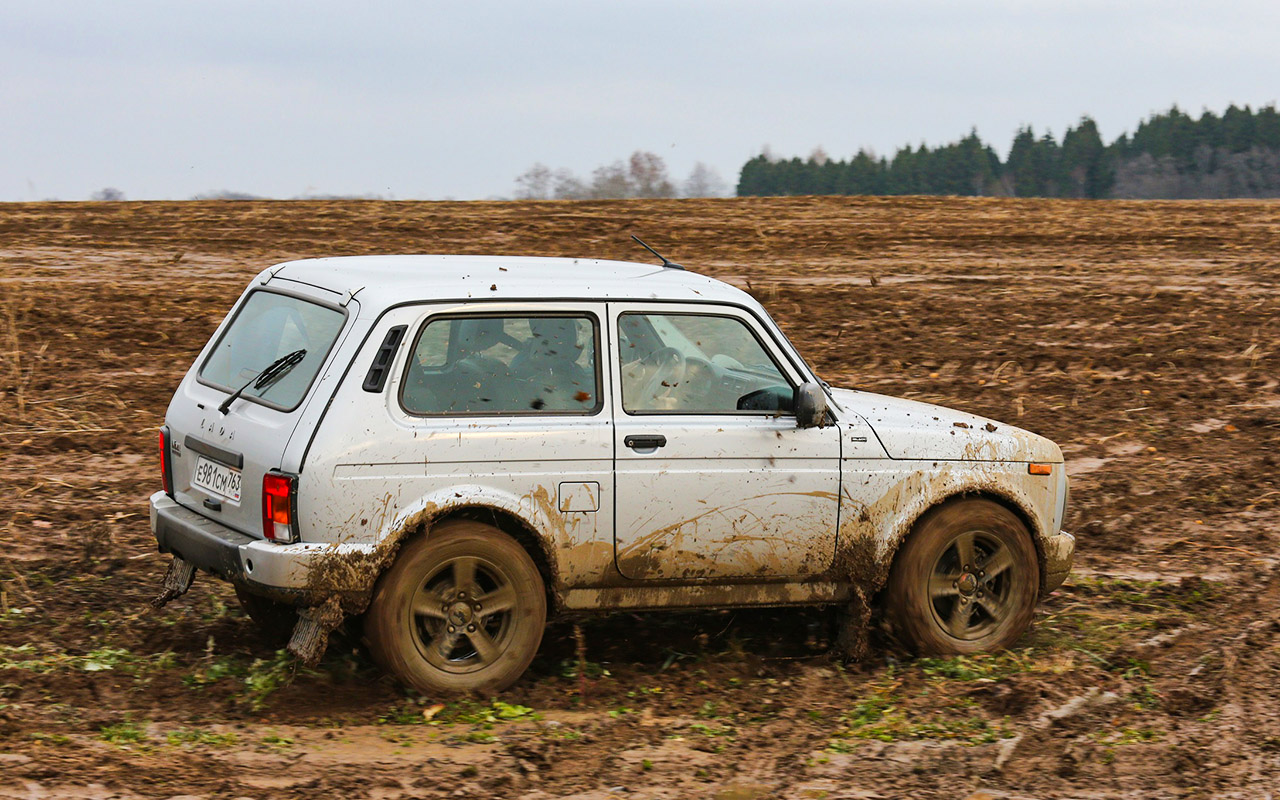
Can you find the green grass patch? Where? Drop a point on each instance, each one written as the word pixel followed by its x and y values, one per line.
pixel 259 679
pixel 461 712
pixel 702 729
pixel 1188 594
pixel 196 737
pixel 266 677
pixel 983 666
pixel 103 659
pixel 51 738
pixel 887 713
pixel 1095 617
pixel 122 734
pixel 214 670
pixel 1127 736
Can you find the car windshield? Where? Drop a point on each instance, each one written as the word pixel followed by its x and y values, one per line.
pixel 267 326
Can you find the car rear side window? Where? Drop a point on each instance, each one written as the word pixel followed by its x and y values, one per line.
pixel 269 325
pixel 490 365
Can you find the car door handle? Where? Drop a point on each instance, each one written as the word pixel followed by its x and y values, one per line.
pixel 646 442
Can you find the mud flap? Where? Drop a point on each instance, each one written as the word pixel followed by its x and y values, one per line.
pixel 854 621
pixel 177 580
pixel 311 634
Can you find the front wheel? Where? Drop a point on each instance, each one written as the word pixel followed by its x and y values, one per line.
pixel 965 581
pixel 462 609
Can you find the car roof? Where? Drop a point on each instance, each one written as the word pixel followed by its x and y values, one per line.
pixel 383 281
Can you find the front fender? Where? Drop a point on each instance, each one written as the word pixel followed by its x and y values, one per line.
pixel 893 497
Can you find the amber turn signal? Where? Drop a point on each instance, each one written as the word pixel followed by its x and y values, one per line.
pixel 1040 469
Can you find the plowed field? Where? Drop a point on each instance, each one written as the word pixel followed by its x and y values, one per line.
pixel 1144 337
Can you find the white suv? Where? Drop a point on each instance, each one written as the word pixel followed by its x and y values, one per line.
pixel 456 446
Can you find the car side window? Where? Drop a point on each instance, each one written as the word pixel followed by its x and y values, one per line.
pixel 523 364
pixel 697 364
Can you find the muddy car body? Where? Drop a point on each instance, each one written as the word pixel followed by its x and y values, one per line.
pixel 459 446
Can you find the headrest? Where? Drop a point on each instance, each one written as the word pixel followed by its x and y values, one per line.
pixel 555 337
pixel 478 335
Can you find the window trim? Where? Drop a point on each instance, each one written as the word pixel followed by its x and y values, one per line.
pixel 532 412
pixel 324 359
pixel 764 347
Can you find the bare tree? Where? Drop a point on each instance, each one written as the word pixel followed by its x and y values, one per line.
pixel 535 183
pixel 649 175
pixel 108 194
pixel 644 174
pixel 704 181
pixel 611 181
pixel 569 186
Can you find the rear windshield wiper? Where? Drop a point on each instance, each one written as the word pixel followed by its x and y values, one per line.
pixel 274 372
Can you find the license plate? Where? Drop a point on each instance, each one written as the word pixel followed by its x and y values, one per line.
pixel 217 479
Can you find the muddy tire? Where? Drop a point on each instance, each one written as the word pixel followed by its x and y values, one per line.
pixel 965 580
pixel 274 620
pixel 461 610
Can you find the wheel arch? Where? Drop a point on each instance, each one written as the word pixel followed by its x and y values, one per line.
pixel 908 523
pixel 524 519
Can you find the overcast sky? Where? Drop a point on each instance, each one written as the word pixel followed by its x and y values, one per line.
pixel 426 100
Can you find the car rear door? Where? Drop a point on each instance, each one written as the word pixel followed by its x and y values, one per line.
pixel 218 458
pixel 713 478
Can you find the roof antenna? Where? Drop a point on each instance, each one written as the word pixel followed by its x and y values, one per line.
pixel 666 262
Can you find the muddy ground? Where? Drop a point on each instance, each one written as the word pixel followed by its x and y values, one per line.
pixel 1141 336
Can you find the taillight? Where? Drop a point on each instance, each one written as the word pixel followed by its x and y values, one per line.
pixel 166 472
pixel 279 516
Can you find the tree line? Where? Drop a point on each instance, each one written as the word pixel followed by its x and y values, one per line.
pixel 1170 154
pixel 644 174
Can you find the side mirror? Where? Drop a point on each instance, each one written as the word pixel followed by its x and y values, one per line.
pixel 810 404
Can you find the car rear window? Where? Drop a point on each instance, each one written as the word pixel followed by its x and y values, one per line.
pixel 269 325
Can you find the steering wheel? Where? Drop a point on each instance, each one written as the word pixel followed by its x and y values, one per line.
pixel 668 364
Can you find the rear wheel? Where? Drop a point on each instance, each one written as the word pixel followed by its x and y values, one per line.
pixel 462 609
pixel 965 581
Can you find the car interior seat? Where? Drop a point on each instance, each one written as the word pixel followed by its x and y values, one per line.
pixel 548 364
pixel 479 381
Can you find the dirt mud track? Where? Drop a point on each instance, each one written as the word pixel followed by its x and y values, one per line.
pixel 1143 337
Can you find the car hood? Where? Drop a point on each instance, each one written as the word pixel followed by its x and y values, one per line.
pixel 908 429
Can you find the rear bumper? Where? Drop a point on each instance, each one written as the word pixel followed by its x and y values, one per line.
pixel 291 572
pixel 1059 553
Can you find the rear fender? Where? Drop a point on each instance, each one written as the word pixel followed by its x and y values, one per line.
pixel 536 511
